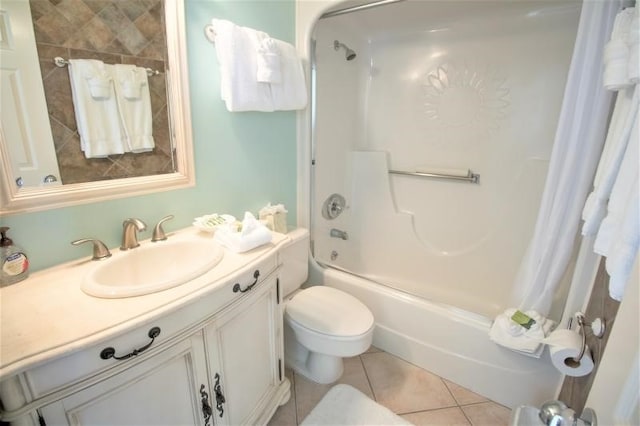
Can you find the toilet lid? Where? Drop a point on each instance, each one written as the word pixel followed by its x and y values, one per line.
pixel 329 311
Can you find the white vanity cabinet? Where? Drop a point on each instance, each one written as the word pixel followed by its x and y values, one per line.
pixel 162 390
pixel 218 360
pixel 243 347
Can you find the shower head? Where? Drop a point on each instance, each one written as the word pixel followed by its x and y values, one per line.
pixel 348 53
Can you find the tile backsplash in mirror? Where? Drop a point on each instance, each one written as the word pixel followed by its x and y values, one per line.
pixel 113 31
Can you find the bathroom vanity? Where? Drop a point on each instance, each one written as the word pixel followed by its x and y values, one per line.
pixel 206 352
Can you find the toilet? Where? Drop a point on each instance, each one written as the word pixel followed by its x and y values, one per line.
pixel 321 324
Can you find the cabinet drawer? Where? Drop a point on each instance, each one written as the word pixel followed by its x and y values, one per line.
pixel 85 364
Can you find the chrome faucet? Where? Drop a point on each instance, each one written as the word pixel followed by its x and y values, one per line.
pixel 130 227
pixel 336 233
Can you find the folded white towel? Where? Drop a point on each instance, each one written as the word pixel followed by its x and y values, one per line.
pixel 619 235
pixel 619 263
pixel 616 52
pixel 506 332
pixel 134 105
pixel 291 93
pixel 253 234
pixel 96 109
pixel 622 120
pixel 633 41
pixel 236 50
pixel 268 62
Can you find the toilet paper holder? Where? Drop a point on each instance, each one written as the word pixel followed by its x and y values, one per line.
pixel 597 326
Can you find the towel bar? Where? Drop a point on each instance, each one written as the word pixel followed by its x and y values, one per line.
pixel 210 33
pixel 470 177
pixel 61 63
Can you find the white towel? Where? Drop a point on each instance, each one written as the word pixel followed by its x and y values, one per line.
pixel 291 93
pixel 619 234
pixel 509 334
pixel 616 52
pixel 268 62
pixel 633 41
pixel 236 50
pixel 134 104
pixel 96 109
pixel 622 120
pixel 253 234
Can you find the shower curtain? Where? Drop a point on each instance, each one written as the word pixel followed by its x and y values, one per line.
pixel 576 150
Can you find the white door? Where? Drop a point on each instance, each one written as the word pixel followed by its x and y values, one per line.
pixel 167 389
pixel 615 393
pixel 24 120
pixel 242 344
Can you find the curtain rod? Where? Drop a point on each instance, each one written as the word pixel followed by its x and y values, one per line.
pixel 358 8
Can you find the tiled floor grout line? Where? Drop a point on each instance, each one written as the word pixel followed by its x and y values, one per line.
pixel 446 386
pixel 450 389
pixel 465 415
pixel 366 374
pixel 294 396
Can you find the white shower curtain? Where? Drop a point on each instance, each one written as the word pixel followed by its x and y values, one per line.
pixel 576 150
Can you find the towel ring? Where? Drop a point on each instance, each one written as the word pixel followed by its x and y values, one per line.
pixel 210 33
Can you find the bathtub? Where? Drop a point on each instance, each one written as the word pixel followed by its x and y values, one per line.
pixel 439 85
pixel 447 341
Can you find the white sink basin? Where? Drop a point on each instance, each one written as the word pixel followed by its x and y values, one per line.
pixel 152 267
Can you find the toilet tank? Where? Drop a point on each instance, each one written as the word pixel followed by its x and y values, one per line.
pixel 294 257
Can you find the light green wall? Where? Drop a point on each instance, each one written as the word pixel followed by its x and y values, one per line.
pixel 243 160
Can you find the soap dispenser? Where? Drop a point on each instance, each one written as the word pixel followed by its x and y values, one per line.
pixel 14 264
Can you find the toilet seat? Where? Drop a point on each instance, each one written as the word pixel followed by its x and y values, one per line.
pixel 326 310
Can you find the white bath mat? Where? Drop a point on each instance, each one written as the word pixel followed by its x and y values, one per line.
pixel 345 405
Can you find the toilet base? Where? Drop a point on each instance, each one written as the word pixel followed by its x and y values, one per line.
pixel 317 367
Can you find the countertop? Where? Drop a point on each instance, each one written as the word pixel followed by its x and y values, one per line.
pixel 48 315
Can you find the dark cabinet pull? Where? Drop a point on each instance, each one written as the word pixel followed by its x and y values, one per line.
pixel 110 352
pixel 236 287
pixel 219 396
pixel 206 408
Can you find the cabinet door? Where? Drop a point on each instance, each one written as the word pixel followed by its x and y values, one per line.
pixel 244 347
pixel 166 389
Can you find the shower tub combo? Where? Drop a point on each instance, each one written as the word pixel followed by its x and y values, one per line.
pixel 432 124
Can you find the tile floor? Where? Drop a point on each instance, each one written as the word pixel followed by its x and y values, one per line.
pixel 417 395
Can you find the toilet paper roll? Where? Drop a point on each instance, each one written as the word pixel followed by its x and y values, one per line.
pixel 564 346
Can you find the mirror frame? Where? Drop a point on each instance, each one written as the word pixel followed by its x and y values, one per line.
pixel 14 200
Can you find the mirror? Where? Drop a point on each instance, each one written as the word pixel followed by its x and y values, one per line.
pixel 176 169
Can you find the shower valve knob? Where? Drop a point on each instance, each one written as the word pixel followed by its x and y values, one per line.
pixel 333 206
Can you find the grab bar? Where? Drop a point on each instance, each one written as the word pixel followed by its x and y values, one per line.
pixel 469 177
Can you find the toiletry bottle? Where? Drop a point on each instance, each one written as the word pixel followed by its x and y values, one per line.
pixel 14 264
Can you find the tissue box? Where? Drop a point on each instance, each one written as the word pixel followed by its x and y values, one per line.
pixel 274 217
pixel 277 222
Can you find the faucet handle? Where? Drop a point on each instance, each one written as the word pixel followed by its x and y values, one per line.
pixel 100 250
pixel 158 232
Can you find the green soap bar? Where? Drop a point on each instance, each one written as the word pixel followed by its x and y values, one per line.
pixel 523 319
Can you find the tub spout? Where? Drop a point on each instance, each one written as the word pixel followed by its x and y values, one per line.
pixel 336 233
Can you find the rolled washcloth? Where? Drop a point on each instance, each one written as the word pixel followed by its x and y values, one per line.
pixel 252 234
